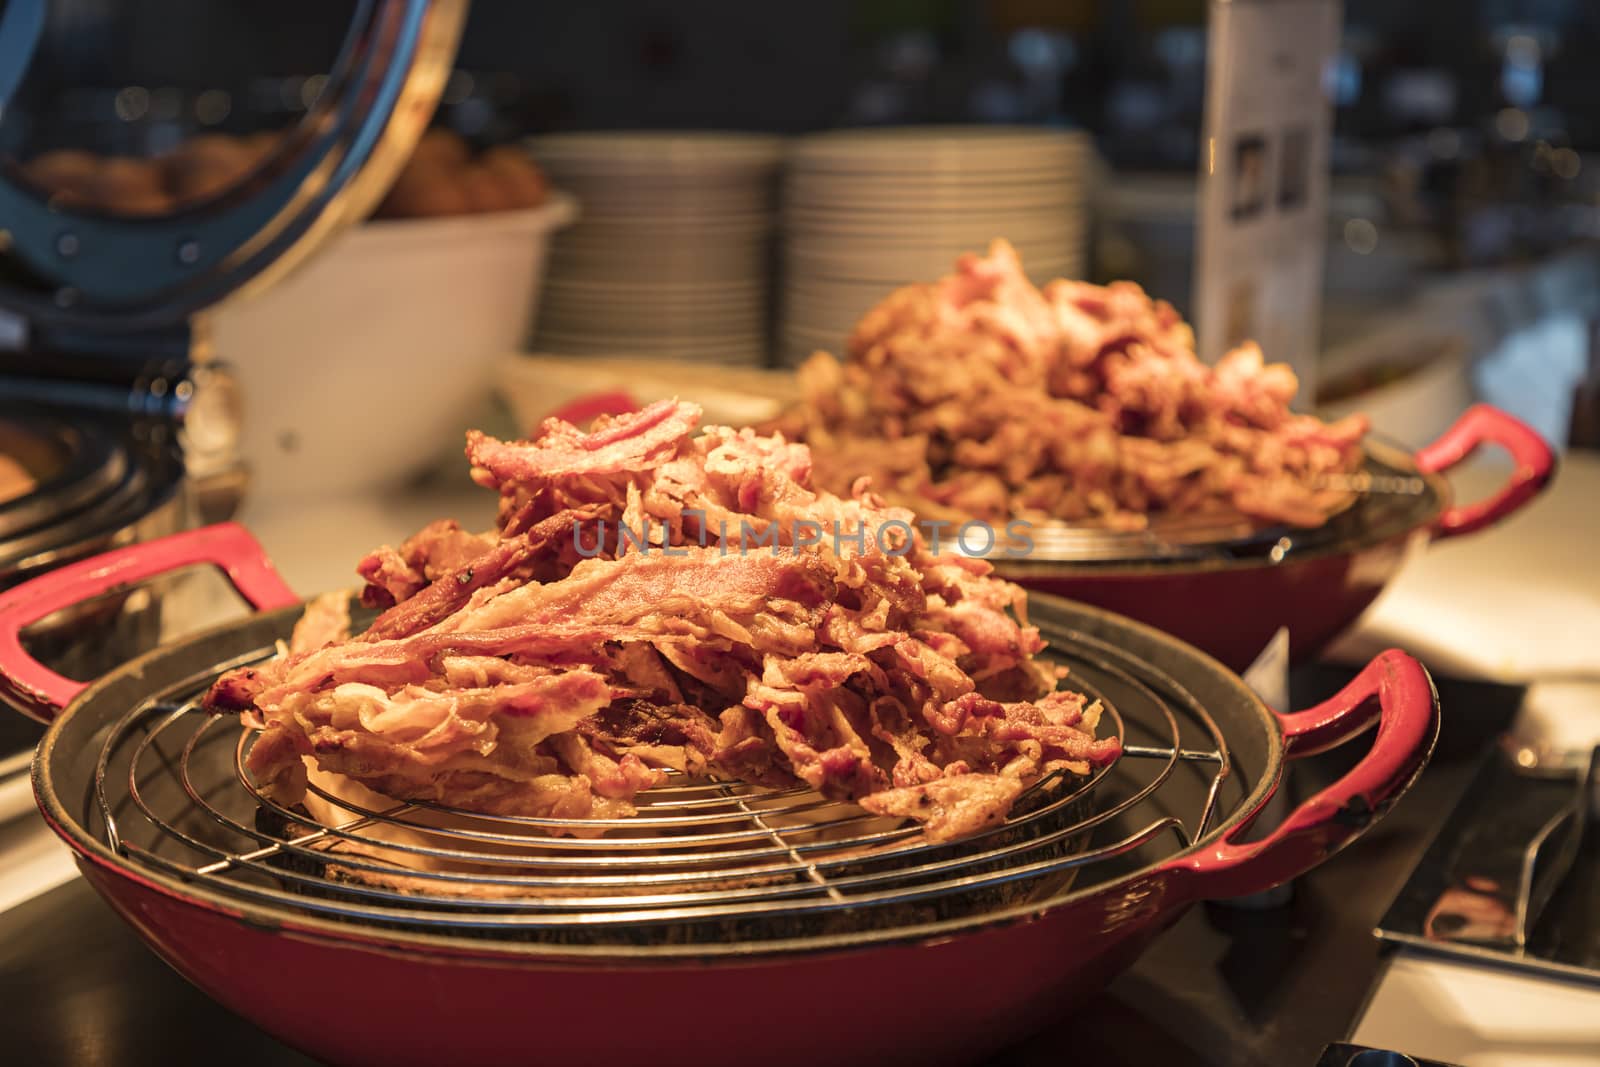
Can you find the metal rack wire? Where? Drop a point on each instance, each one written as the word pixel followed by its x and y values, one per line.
pixel 702 859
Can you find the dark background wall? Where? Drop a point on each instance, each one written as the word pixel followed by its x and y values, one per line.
pixel 1130 70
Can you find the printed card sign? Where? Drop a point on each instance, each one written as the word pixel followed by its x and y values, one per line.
pixel 1264 180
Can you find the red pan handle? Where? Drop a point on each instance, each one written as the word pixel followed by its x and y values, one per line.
pixel 584 409
pixel 1485 425
pixel 1395 691
pixel 40 692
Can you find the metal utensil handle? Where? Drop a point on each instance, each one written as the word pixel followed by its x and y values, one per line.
pixel 1486 425
pixel 40 692
pixel 1395 692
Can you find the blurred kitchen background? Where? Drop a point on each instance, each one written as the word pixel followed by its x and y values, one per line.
pixel 629 200
pixel 1464 207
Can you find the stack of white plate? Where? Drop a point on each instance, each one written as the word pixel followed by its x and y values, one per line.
pixel 866 211
pixel 670 258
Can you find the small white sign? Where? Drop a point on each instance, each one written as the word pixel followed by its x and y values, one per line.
pixel 13 331
pixel 1264 180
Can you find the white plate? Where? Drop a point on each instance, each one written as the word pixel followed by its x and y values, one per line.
pixel 905 204
pixel 657 227
pixel 640 279
pixel 677 252
pixel 909 193
pixel 683 263
pixel 900 200
pixel 666 183
pixel 656 284
pixel 658 340
pixel 582 325
pixel 868 263
pixel 662 214
pixel 732 288
pixel 910 223
pixel 1074 181
pixel 620 318
pixel 920 265
pixel 707 298
pixel 692 243
pixel 841 280
pixel 678 256
pixel 910 147
pixel 713 296
pixel 853 271
pixel 976 235
pixel 727 284
pixel 822 298
pixel 950 166
pixel 930 175
pixel 713 301
pixel 855 251
pixel 671 257
pixel 679 151
pixel 652 213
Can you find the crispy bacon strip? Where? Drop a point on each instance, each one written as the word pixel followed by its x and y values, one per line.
pixel 980 396
pixel 950 807
pixel 452 590
pixel 640 441
pixel 417 743
pixel 513 675
pixel 692 579
pixel 441 547
pixel 773 600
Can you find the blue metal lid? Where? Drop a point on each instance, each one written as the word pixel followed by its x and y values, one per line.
pixel 144 259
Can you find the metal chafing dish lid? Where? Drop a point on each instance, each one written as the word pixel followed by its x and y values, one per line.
pixel 116 216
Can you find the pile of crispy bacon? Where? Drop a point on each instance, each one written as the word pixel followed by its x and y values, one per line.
pixel 651 600
pixel 980 396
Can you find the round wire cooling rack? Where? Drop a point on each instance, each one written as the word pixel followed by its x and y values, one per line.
pixel 702 862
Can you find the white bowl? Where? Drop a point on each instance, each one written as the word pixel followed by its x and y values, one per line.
pixel 370 360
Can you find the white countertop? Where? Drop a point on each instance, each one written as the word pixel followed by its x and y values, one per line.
pixel 1480 1016
pixel 1516 603
pixel 1519 603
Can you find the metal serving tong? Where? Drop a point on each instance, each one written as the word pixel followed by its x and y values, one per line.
pixel 1508 866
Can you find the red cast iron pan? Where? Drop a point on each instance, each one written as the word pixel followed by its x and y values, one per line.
pixel 990 939
pixel 1316 583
